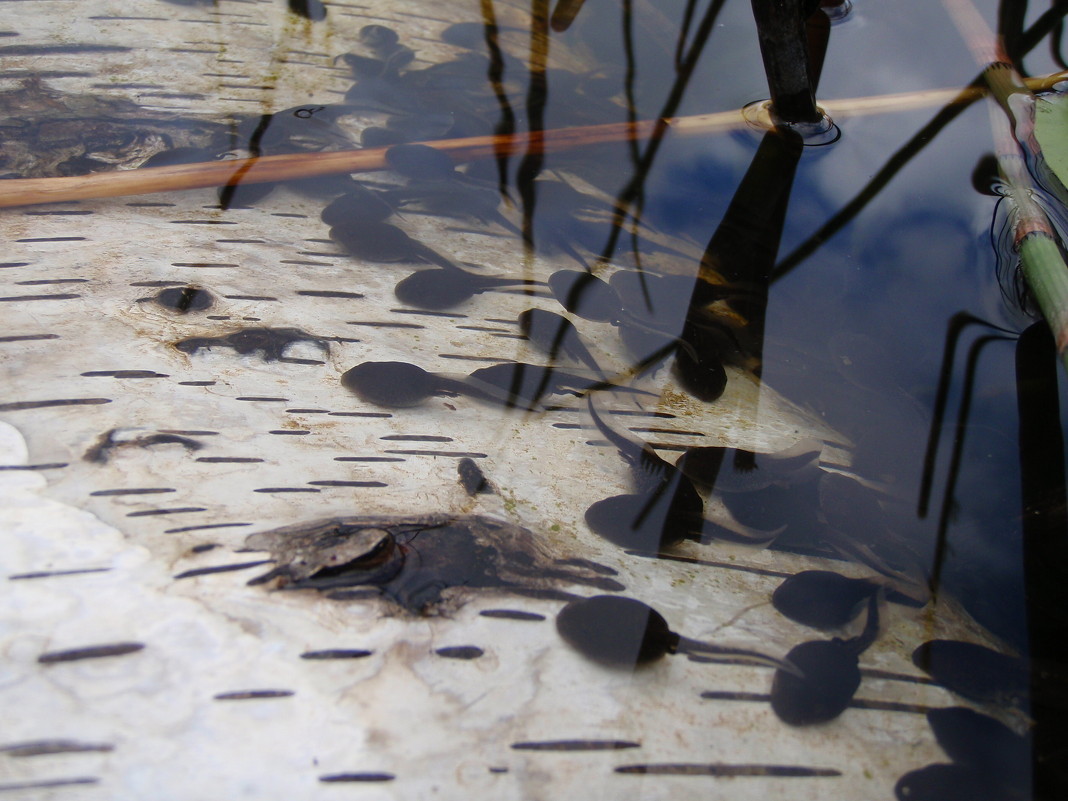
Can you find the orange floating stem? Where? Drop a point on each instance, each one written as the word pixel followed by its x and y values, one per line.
pixel 265 169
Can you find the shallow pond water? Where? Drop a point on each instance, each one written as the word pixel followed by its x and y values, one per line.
pixel 183 373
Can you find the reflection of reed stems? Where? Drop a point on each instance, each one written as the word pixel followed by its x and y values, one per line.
pixel 30 191
pixel 956 454
pixel 630 197
pixel 495 76
pixel 957 323
pixel 537 96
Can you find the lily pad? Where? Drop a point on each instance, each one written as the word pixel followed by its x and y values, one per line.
pixel 1051 131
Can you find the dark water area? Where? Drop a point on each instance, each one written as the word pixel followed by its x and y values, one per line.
pixel 899 329
pixel 857 330
pixel 856 327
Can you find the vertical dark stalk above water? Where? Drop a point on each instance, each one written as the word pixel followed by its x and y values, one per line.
pixel 781 30
pixel 817 36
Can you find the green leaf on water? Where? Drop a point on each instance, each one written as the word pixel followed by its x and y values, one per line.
pixel 1051 130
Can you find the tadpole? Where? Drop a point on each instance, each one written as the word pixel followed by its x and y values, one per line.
pixel 829 675
pixel 472 479
pixel 622 632
pixel 513 385
pixel 586 295
pixel 974 671
pixel 983 743
pixel 421 162
pixel 986 177
pixel 384 243
pixel 848 504
pixel 857 526
pixel 822 599
pixel 554 334
pixel 699 367
pixel 360 205
pixel 664 299
pixel 442 289
pixel 738 470
pixel 417 561
pixel 666 508
pixel 941 782
pixel 243 195
pixel 379 38
pixel 661 299
pixel 525 385
pixel 364 68
pixel 646 344
pixel 296 129
pixel 396 385
pixel 452 200
pixel 470 35
pixel 376 136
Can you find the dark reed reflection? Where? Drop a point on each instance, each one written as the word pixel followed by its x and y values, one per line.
pixel 1045 545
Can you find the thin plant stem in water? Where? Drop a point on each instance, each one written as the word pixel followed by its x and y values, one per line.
pixel 957 323
pixel 953 472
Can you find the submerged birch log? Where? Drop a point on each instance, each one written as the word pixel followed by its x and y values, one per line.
pixel 173 372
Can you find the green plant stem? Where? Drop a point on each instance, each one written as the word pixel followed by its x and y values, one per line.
pixel 1041 255
pixel 1042 263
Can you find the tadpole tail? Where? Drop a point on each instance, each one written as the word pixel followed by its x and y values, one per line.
pixel 480 390
pixel 582 354
pixel 503 280
pixel 870 634
pixel 630 448
pixel 699 648
pixel 613 387
pixel 430 255
pixel 744 535
pixel 910 581
pixel 675 343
